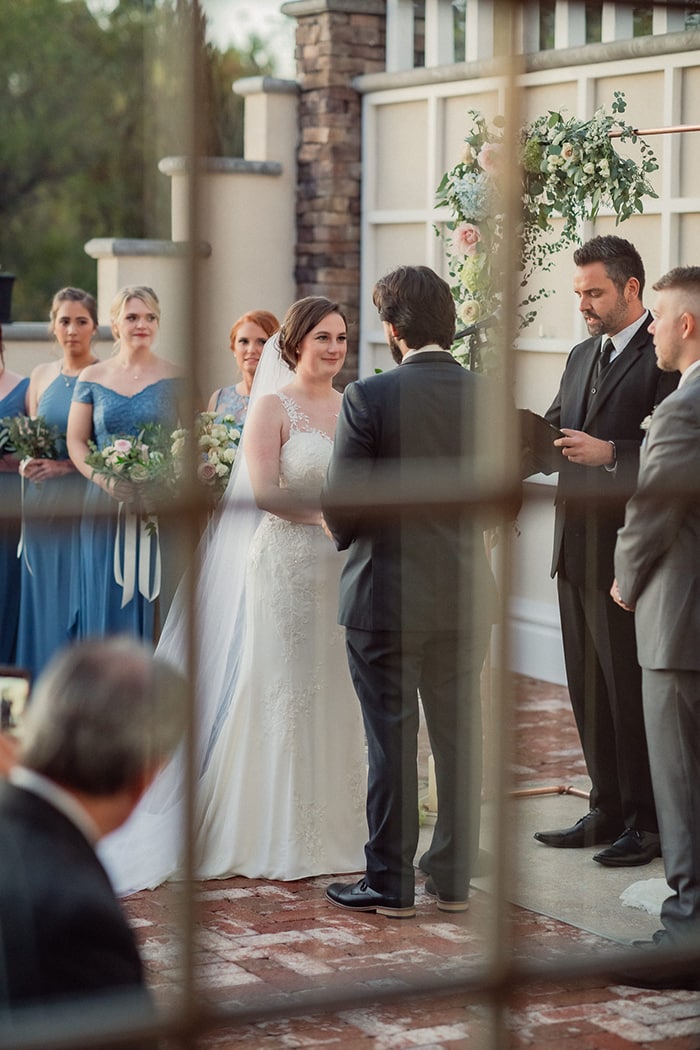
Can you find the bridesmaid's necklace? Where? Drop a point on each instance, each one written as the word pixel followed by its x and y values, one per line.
pixel 137 374
pixel 62 371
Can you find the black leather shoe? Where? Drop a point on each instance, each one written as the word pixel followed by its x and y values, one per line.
pixel 649 977
pixel 424 863
pixel 591 830
pixel 445 903
pixel 631 849
pixel 359 896
pixel 483 865
pixel 658 940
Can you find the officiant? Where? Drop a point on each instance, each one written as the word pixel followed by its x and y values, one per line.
pixel 611 384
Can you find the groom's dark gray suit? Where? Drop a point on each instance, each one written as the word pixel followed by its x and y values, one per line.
pixel 417 598
pixel 657 566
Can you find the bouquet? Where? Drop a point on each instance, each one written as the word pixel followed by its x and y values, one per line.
pixel 29 438
pixel 216 440
pixel 143 459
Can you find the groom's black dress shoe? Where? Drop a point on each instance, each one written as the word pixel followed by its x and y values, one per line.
pixel 483 865
pixel 632 848
pixel 591 830
pixel 446 902
pixel 359 896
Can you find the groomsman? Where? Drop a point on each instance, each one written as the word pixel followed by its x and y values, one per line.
pixel 417 596
pixel 657 565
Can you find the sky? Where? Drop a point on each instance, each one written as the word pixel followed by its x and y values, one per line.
pixel 232 22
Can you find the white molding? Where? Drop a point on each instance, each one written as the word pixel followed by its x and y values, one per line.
pixel 535 640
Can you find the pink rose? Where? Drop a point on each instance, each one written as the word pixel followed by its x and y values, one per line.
pixel 489 158
pixel 122 445
pixel 206 472
pixel 465 238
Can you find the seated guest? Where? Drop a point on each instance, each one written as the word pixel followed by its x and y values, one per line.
pixel 101 720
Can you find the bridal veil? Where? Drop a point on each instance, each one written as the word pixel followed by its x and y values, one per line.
pixel 148 848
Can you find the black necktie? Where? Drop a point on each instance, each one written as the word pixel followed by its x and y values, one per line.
pixel 601 363
pixel 604 358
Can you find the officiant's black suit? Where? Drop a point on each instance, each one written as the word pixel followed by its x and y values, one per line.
pixel 417 598
pixel 603 673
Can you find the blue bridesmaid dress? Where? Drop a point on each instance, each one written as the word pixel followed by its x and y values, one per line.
pixel 49 562
pixel 11 405
pixel 230 403
pixel 100 596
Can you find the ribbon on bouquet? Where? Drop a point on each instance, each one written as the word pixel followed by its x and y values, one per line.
pixel 137 535
pixel 22 545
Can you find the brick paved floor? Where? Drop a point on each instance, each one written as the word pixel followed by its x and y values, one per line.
pixel 271 944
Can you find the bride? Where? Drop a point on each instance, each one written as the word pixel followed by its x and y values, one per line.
pixel 281 771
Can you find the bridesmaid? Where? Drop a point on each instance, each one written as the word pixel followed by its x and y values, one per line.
pixel 48 606
pixel 13 389
pixel 117 397
pixel 247 338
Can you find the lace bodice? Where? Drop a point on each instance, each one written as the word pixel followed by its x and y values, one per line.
pixel 305 455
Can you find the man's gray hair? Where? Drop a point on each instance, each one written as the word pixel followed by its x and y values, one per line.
pixel 102 713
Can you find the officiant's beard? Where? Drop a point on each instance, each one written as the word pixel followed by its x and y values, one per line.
pixel 395 350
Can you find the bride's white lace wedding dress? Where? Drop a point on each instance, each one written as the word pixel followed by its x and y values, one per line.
pixel 283 789
pixel 283 795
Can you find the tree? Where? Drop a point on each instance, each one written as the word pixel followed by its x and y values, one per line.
pixel 90 104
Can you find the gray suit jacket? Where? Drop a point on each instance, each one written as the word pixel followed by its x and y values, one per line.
pixel 657 558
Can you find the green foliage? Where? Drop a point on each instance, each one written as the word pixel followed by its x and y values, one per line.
pixel 90 104
pixel 570 169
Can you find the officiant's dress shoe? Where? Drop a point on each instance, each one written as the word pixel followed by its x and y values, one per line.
pixel 359 896
pixel 445 902
pixel 591 830
pixel 631 849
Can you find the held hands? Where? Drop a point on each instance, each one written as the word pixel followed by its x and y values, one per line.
pixel 43 469
pixel 617 597
pixel 579 447
pixel 120 490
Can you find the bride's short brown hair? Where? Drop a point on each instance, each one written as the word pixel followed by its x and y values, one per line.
pixel 301 317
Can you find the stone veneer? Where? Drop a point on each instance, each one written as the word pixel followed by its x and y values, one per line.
pixel 336 40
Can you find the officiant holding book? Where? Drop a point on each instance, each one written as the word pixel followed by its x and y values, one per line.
pixel 611 384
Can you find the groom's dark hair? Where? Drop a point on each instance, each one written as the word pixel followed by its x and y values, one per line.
pixel 418 304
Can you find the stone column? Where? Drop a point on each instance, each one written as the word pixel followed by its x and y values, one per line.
pixel 336 40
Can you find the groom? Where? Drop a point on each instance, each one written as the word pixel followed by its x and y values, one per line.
pixel 417 597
